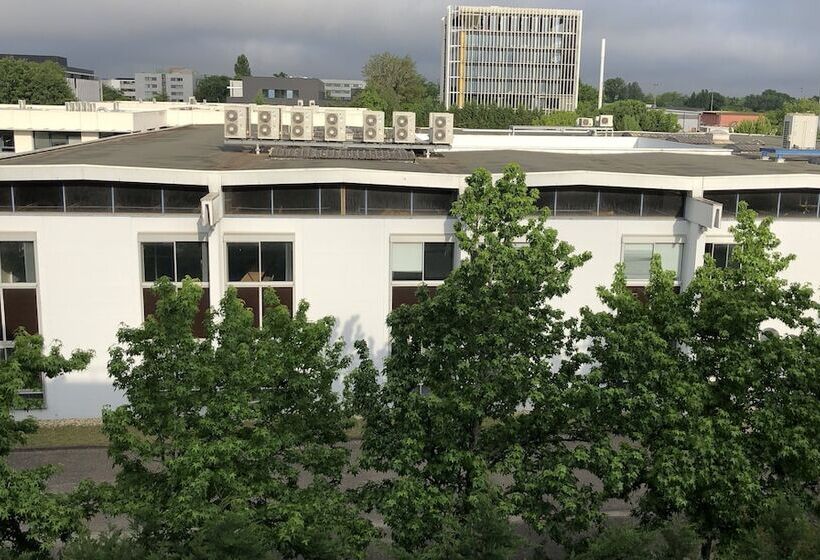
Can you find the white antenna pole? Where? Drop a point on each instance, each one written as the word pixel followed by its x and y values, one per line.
pixel 601 79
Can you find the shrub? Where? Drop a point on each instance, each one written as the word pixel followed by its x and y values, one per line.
pixel 675 541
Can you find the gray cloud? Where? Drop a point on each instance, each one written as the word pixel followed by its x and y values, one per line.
pixel 735 46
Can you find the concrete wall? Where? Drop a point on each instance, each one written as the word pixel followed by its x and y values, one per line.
pixel 85 90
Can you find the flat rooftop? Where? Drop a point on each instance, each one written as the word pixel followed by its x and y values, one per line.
pixel 201 148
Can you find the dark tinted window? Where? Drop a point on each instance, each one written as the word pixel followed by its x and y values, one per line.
pixel 295 200
pixel 20 307
pixel 183 199
pixel 433 202
pixel 794 204
pixel 17 262
pixel 578 202
pixel 36 196
pixel 721 252
pixel 6 140
pixel 331 200
pixel 728 200
pixel 137 198
pixel 277 262
pixel 192 260
pixel 248 201
pixel 663 204
pixel 157 261
pixel 620 203
pixel 764 203
pixel 355 200
pixel 438 260
pixel 546 199
pixel 5 197
pixel 88 197
pixel 388 201
pixel 243 262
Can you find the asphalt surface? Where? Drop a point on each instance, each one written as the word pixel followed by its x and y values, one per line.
pixel 93 463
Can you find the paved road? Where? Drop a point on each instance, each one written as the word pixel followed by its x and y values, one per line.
pixel 78 464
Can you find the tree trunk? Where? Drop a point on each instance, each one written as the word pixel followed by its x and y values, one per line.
pixel 706 549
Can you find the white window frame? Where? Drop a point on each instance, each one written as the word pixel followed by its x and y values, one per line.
pixel 8 344
pixel 654 240
pixel 168 238
pixel 417 239
pixel 260 285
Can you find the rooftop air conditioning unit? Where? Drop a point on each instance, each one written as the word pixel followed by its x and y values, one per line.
pixel 268 123
pixel 441 128
pixel 69 106
pixel 584 122
pixel 335 130
pixel 300 103
pixel 404 127
pixel 311 103
pixel 373 126
pixel 301 124
pixel 604 121
pixel 800 131
pixel 237 122
pixel 192 100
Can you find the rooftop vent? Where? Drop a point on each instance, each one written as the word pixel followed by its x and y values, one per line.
pixel 359 154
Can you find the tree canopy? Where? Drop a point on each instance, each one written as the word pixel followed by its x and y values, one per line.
pixel 213 88
pixel 112 94
pixel 242 67
pixel 39 83
pixel 32 519
pixel 725 417
pixel 222 428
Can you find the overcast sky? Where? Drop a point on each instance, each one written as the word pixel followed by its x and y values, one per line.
pixel 733 46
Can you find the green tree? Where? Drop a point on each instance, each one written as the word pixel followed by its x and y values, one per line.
pixel 614 90
pixel 260 98
pixel 587 93
pixel 473 115
pixel 241 67
pixel 227 425
pixel 445 419
pixel 627 114
pixel 670 99
pixel 722 415
pixel 759 126
pixel 706 99
pixel 212 88
pixel 395 79
pixel 160 96
pixel 767 100
pixel 375 100
pixel 40 83
pixel 112 94
pixel 32 519
pixel 655 120
pixel 556 118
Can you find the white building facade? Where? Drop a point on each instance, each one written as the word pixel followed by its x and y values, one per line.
pixel 341 88
pixel 126 86
pixel 511 57
pixel 85 230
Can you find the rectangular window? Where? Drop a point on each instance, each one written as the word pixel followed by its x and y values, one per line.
pixel 331 201
pixel 47 139
pixel 182 200
pixel 299 200
pixel 88 197
pixel 670 204
pixel 721 252
pixel 175 260
pixel 355 200
pixel 5 197
pixel 257 266
pixel 638 256
pixel 18 304
pixel 38 197
pixel 620 203
pixel 577 202
pixel 388 201
pixel 6 140
pixel 241 200
pixel 798 204
pixel 138 198
pixel 762 202
pixel 428 261
pixel 546 199
pixel 433 202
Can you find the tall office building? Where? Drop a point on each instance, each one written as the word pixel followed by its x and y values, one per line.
pixel 511 57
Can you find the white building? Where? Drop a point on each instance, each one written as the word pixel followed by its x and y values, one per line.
pixel 177 83
pixel 126 86
pixel 511 57
pixel 341 88
pixel 84 230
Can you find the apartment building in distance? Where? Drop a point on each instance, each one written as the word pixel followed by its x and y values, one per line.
pixel 177 83
pixel 86 229
pixel 126 86
pixel 82 81
pixel 511 57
